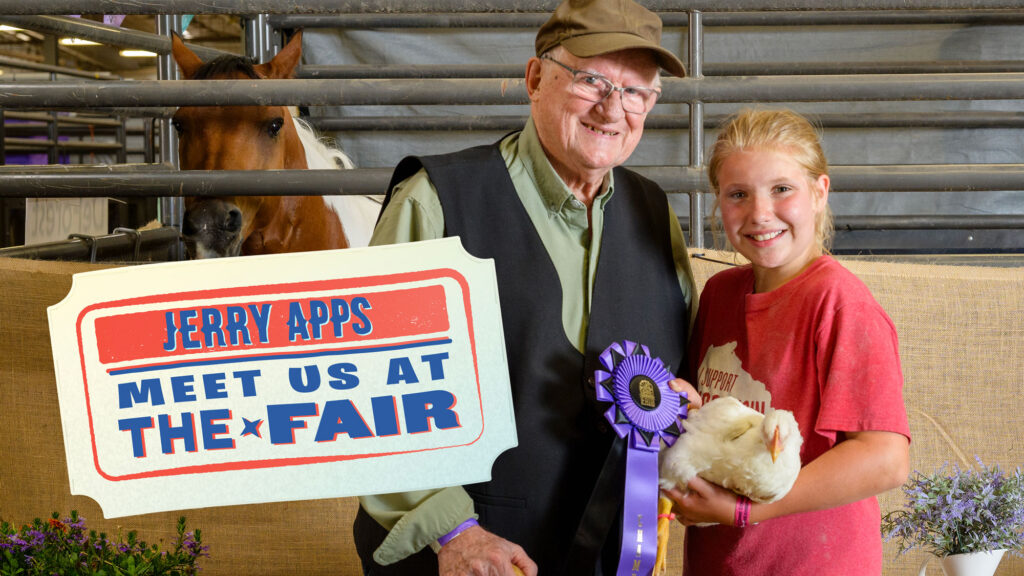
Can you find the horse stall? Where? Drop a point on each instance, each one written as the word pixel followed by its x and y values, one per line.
pixel 922 120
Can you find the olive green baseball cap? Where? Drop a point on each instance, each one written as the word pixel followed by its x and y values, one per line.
pixel 589 28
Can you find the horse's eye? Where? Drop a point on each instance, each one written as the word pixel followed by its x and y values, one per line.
pixel 275 126
pixel 178 126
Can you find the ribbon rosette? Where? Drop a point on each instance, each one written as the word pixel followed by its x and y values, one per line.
pixel 644 411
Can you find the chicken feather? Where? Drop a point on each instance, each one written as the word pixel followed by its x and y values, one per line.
pixel 729 444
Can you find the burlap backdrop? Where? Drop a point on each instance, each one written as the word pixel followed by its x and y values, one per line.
pixel 961 343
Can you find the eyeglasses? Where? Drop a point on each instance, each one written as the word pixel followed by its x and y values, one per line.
pixel 595 88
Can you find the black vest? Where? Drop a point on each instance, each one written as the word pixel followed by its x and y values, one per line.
pixel 539 489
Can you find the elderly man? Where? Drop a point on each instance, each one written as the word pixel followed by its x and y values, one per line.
pixel 586 254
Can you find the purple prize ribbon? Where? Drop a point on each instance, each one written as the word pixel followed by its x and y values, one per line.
pixel 644 411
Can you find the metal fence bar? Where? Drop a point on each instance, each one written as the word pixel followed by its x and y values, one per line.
pixel 852 223
pixel 903 16
pixel 35 129
pixel 832 68
pixel 260 43
pixel 52 137
pixel 71 146
pixel 411 71
pixel 29 182
pixel 90 169
pixel 81 120
pixel 712 69
pixel 961 120
pixel 102 33
pixel 869 87
pixel 422 6
pixel 121 135
pixel 932 222
pixel 39 67
pixel 170 209
pixel 695 69
pixel 102 247
pixel 966 119
pixel 669 19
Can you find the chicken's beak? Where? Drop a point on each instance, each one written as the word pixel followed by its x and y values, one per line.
pixel 776 445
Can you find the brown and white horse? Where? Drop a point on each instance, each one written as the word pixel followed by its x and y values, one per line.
pixel 260 138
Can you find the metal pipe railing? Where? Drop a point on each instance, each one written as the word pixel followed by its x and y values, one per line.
pixel 95 248
pixel 695 69
pixel 966 119
pixel 80 120
pixel 411 71
pixel 369 71
pixel 869 87
pixel 857 223
pixel 261 41
pixel 69 146
pixel 76 130
pixel 427 6
pixel 102 33
pixel 170 209
pixel 532 21
pixel 158 180
pixel 40 67
pixel 931 222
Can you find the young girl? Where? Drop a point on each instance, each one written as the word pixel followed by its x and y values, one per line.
pixel 793 330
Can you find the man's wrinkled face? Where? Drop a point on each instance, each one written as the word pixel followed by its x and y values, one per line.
pixel 583 139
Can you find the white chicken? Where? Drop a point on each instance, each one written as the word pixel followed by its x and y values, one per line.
pixel 736 447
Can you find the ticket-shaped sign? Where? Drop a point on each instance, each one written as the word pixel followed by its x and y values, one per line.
pixel 284 377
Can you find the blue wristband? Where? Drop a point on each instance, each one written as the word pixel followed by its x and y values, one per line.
pixel 458 530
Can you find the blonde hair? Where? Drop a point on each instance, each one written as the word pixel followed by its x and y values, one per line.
pixel 786 130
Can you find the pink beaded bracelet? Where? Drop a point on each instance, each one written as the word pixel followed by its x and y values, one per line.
pixel 458 530
pixel 742 515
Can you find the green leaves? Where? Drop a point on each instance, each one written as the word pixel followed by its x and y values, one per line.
pixel 63 547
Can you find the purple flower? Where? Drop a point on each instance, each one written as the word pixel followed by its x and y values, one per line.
pixel 63 547
pixel 967 510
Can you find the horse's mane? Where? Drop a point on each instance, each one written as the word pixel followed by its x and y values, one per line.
pixel 357 213
pixel 225 66
pixel 319 155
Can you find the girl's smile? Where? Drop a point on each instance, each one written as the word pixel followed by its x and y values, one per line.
pixel 769 204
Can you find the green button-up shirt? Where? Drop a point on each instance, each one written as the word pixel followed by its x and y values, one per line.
pixel 572 240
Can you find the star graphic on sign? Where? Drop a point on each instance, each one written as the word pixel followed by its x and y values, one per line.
pixel 252 427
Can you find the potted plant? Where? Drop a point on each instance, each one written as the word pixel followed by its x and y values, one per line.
pixel 64 547
pixel 964 516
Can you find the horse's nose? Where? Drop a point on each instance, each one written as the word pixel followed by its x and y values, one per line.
pixel 233 220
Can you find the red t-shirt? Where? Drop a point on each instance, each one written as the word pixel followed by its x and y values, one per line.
pixel 821 347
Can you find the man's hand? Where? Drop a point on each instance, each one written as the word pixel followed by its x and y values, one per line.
pixel 680 385
pixel 477 552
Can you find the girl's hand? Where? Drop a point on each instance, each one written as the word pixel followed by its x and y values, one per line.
pixel 681 386
pixel 703 503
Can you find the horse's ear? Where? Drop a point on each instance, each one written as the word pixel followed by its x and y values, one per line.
pixel 283 65
pixel 186 59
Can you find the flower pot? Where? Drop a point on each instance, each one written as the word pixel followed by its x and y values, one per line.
pixel 973 564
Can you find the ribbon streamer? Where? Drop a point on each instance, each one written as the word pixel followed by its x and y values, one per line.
pixel 644 411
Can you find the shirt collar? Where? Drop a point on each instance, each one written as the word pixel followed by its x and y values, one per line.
pixel 549 184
